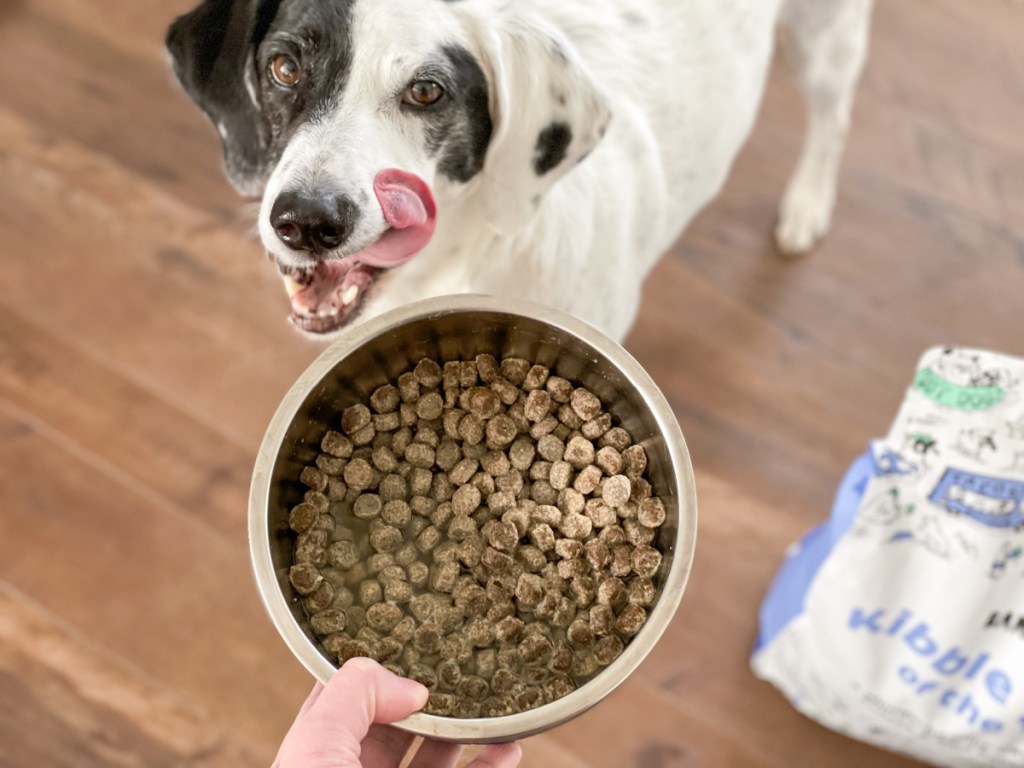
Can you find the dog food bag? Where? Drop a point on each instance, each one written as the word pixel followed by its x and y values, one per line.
pixel 900 621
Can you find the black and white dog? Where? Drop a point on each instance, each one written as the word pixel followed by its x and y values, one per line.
pixel 550 150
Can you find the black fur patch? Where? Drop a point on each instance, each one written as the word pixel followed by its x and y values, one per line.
pixel 552 145
pixel 318 36
pixel 460 128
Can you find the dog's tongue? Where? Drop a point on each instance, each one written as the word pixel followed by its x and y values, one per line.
pixel 409 210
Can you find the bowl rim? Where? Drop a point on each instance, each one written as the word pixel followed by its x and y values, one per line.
pixel 521 724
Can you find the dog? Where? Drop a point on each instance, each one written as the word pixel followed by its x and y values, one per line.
pixel 405 149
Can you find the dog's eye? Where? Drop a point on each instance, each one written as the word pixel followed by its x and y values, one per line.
pixel 423 93
pixel 285 70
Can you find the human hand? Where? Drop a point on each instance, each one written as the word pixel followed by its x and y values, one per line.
pixel 344 725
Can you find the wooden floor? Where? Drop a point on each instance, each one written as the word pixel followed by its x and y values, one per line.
pixel 143 349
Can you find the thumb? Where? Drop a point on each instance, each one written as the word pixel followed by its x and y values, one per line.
pixel 361 693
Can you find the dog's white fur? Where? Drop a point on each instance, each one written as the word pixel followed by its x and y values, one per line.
pixel 678 83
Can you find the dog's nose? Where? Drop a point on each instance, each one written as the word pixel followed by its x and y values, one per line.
pixel 315 224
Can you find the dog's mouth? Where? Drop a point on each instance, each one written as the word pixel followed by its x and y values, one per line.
pixel 329 294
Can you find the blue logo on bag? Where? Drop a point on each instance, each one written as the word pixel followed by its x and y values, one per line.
pixel 992 501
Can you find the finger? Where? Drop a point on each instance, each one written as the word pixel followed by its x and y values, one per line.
pixel 498 756
pixel 436 754
pixel 310 700
pixel 362 692
pixel 384 747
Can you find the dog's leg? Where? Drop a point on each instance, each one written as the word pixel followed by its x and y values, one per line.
pixel 826 42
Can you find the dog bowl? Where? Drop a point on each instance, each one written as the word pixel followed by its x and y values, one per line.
pixel 376 351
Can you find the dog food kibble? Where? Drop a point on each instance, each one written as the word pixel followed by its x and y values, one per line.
pixel 483 527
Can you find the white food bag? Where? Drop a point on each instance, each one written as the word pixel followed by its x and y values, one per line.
pixel 900 621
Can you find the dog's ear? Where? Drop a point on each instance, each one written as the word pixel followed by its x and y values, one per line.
pixel 212 52
pixel 548 111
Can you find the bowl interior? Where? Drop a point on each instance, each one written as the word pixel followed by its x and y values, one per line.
pixel 351 369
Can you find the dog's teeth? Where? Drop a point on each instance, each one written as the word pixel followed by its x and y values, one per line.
pixel 350 295
pixel 292 285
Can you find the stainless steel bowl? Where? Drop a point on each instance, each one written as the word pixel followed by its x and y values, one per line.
pixel 374 352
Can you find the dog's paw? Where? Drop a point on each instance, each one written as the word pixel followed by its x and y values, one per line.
pixel 804 218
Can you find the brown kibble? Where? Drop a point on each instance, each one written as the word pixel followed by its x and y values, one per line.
pixel 343 554
pixel 613 535
pixel 585 403
pixel 508 629
pixel 314 478
pixel 522 453
pixel 646 561
pixel 430 406
pixel 461 527
pixel 598 554
pixel 580 634
pixel 408 388
pixel 443 576
pixel 472 688
pixel 570 501
pixel 336 444
pixel 384 459
pixel 466 500
pixel 532 558
pixel 537 405
pixel 611 592
pixel 622 560
pixel 471 430
pixel 560 389
pixel 305 578
pixel 480 402
pixel 545 426
pixel 497 562
pixel 397 512
pixel 617 438
pixel 587 480
pixel 386 422
pixel 575 525
pixel 358 474
pixel 331 466
pixel 630 620
pixel 651 513
pixel 540 470
pixel 515 369
pixel 370 592
pixel 486 367
pixel 480 632
pixel 520 518
pixel 600 513
pixel 420 455
pixel 608 649
pixel 427 373
pixel 324 597
pixel 560 475
pixel 529 590
pixel 495 462
pixel 385 399
pixel 504 681
pixel 579 452
pixel 387 538
pixel 593 429
pixel 535 650
pixel 354 418
pixel 551 448
pixel 364 436
pixel 500 502
pixel 449 673
pixel 440 704
pixel 542 493
pixel 542 537
pixel 366 506
pixel 309 552
pixel 634 461
pixel 303 517
pixel 506 391
pixel 615 490
pixel 602 620
pixel 568 418
pixel 502 536
pixel 378 561
pixel 638 535
pixel 568 549
pixel 535 378
pixel 570 569
pixel 393 487
pixel 427 638
pixel 383 617
pixel 583 591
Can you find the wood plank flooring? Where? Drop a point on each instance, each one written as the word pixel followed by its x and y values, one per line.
pixel 143 349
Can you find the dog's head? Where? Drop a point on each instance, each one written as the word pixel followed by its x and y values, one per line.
pixel 360 120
